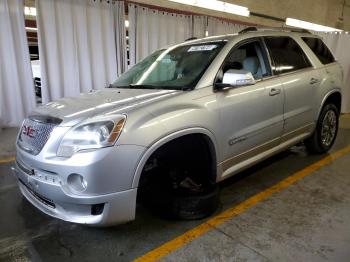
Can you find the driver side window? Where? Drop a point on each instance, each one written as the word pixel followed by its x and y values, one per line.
pixel 249 57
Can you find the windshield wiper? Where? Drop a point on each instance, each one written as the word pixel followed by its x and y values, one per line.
pixel 133 86
pixel 187 88
pixel 163 87
pixel 144 86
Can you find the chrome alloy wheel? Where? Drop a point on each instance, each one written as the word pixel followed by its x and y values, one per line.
pixel 329 128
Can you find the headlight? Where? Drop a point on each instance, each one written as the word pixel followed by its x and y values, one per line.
pixel 91 134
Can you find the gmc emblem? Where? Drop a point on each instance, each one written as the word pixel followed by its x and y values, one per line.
pixel 28 131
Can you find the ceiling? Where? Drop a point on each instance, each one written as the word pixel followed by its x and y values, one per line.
pixel 31 22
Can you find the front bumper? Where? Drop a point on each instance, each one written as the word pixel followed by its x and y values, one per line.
pixel 48 189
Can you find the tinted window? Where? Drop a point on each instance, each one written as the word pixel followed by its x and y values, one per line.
pixel 320 50
pixel 287 55
pixel 250 57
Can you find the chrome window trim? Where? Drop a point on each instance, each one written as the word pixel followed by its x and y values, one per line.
pixel 304 70
pixel 330 64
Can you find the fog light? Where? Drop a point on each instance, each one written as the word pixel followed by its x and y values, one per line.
pixel 97 209
pixel 77 182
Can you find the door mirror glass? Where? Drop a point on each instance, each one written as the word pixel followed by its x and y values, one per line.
pixel 235 77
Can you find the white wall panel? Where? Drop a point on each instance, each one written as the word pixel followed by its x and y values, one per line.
pixel 79 45
pixel 153 29
pixel 221 27
pixel 340 44
pixel 17 96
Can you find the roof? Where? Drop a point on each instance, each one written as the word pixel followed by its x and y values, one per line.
pixel 261 31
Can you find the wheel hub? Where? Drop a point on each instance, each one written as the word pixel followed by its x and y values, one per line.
pixel 329 128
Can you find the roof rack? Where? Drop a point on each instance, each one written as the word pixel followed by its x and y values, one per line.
pixel 248 29
pixel 264 29
pixel 191 38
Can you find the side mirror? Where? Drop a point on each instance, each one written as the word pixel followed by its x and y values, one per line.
pixel 235 78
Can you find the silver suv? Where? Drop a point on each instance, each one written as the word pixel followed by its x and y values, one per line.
pixel 177 123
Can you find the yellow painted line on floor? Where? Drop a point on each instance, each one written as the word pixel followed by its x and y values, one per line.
pixel 7 160
pixel 196 232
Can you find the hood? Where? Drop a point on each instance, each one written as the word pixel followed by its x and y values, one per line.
pixel 73 110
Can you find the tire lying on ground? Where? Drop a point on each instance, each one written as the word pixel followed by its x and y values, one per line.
pixel 183 204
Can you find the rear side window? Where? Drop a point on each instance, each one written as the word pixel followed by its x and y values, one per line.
pixel 320 50
pixel 286 54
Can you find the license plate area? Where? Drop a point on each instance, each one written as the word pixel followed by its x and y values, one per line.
pixel 44 200
pixel 40 175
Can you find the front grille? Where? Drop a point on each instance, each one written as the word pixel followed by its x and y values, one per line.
pixel 34 134
pixel 46 201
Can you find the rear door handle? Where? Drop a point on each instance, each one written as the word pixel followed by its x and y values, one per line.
pixel 274 91
pixel 314 81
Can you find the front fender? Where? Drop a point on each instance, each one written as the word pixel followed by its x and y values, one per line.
pixel 168 138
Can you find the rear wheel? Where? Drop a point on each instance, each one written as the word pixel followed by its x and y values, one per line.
pixel 326 131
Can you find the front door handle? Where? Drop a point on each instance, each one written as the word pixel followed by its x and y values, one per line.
pixel 314 81
pixel 274 91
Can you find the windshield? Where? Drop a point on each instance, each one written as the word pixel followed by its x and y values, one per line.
pixel 177 68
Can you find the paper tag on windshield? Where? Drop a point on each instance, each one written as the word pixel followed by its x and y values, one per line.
pixel 199 48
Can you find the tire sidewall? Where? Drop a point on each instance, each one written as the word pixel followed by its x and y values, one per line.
pixel 326 108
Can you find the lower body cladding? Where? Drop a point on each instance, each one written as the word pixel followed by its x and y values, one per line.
pixel 55 193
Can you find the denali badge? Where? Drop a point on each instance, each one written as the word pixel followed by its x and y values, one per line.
pixel 28 131
pixel 233 141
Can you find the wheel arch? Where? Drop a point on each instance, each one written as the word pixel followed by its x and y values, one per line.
pixel 334 95
pixel 168 138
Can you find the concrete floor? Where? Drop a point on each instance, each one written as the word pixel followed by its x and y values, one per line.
pixel 308 221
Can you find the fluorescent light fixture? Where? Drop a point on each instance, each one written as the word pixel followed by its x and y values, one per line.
pixel 217 6
pixel 30 11
pixel 31 28
pixel 310 26
pixel 127 23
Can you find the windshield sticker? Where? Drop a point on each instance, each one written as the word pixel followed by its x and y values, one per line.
pixel 199 48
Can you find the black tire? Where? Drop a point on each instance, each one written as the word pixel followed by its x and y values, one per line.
pixel 179 181
pixel 183 205
pixel 316 144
